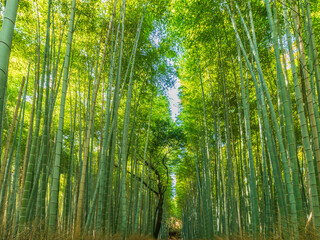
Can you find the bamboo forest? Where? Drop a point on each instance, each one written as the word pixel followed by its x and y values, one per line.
pixel 160 119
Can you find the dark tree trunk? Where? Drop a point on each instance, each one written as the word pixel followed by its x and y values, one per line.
pixel 159 218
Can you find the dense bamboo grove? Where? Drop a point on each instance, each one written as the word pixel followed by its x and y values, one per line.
pixel 250 98
pixel 85 150
pixel 89 145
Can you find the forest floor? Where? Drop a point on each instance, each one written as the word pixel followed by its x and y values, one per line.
pixel 174 235
pixel 175 228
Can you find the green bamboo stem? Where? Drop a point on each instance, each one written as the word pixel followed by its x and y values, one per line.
pixel 6 36
pixel 53 209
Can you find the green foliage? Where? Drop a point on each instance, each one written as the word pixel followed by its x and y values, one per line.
pixel 243 149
